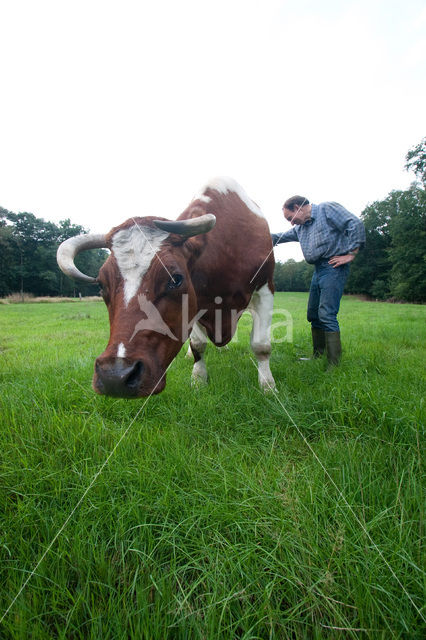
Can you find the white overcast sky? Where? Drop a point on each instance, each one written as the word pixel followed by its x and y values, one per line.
pixel 115 109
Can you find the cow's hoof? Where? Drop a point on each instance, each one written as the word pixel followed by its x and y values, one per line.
pixel 198 382
pixel 199 376
pixel 268 386
pixel 269 390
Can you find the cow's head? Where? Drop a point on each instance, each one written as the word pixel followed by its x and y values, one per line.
pixel 146 285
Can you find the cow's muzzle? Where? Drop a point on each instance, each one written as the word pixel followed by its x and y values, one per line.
pixel 119 379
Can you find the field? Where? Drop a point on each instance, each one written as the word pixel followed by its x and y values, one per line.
pixel 216 513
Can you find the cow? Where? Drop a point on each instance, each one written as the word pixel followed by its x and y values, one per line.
pixel 165 279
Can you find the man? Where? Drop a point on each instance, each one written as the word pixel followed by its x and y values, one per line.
pixel 330 237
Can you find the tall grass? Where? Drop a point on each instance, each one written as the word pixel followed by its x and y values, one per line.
pixel 222 513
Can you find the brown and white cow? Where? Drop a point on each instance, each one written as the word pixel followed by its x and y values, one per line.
pixel 164 279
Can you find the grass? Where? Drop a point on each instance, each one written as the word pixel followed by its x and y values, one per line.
pixel 222 513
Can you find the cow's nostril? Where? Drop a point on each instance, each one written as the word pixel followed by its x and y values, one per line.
pixel 134 377
pixel 117 380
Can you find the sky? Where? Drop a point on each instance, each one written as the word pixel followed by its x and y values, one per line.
pixel 116 109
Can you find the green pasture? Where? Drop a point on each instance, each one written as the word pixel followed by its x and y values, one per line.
pixel 213 513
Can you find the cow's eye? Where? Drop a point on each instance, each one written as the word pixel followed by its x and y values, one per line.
pixel 175 281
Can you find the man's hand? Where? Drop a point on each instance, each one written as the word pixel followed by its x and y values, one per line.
pixel 337 261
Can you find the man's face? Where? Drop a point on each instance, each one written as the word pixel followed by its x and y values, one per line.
pixel 299 216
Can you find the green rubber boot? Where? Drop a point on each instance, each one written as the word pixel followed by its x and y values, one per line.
pixel 318 342
pixel 333 348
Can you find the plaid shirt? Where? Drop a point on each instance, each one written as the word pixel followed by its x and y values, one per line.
pixel 331 231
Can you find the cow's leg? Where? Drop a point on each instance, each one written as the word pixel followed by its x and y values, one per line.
pixel 198 343
pixel 261 307
pixel 189 352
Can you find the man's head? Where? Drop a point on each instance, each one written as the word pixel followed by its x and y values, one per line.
pixel 297 210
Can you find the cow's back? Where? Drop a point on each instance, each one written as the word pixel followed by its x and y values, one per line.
pixel 237 256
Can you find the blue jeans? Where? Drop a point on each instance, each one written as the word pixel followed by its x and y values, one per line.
pixel 325 294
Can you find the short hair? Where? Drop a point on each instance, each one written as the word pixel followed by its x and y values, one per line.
pixel 295 201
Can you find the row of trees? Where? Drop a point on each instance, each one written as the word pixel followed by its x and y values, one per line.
pixel 28 248
pixel 393 262
pixel 292 275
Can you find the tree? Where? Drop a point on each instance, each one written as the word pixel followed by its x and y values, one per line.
pixel 393 260
pixel 407 253
pixel 416 161
pixel 35 240
pixel 292 275
pixel 88 262
pixel 370 272
pixel 9 256
pixel 28 248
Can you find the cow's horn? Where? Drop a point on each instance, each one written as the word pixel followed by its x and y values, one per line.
pixel 188 228
pixel 68 250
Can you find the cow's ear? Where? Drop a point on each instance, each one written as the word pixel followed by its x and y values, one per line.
pixel 176 240
pixel 194 247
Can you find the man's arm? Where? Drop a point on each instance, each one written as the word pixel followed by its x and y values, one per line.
pixel 351 227
pixel 287 236
pixel 337 261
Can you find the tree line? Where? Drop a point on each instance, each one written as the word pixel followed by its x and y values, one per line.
pixel 28 264
pixel 392 264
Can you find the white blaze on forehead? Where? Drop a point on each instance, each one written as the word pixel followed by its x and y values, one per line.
pixel 121 351
pixel 225 184
pixel 202 197
pixel 134 248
